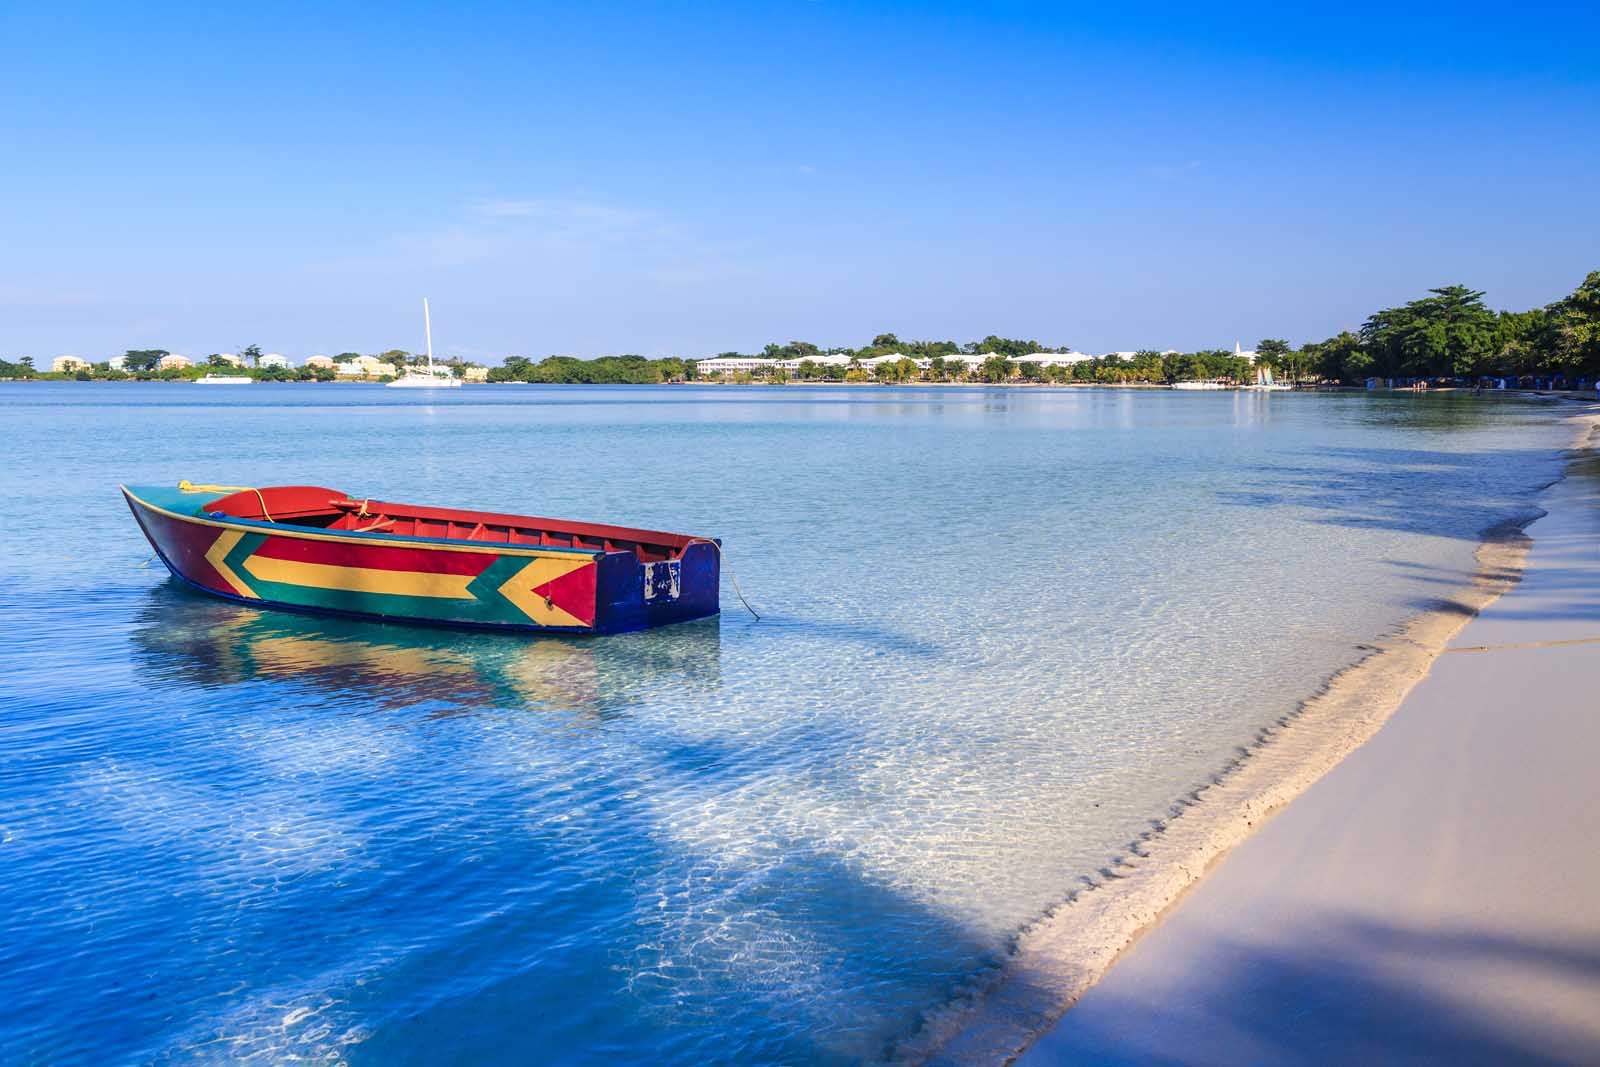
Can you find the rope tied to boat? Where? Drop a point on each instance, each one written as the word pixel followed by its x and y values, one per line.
pixel 186 486
pixel 722 559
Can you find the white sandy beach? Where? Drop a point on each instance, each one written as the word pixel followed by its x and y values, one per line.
pixel 1435 898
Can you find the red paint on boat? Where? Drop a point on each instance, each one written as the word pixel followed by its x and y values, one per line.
pixel 572 593
pixel 375 557
pixel 183 546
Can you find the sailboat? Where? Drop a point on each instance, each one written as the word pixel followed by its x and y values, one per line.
pixel 432 378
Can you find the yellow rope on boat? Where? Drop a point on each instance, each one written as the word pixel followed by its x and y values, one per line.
pixel 186 486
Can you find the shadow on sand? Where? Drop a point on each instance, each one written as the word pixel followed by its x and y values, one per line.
pixel 1341 993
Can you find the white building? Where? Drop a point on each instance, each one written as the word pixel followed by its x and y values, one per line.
pixel 1053 359
pixel 734 365
pixel 68 365
pixel 273 359
pixel 117 362
pixel 363 367
pixel 173 361
pixel 832 359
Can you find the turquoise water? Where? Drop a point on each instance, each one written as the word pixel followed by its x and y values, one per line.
pixel 1002 631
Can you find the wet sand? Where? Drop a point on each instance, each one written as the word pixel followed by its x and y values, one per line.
pixel 1435 898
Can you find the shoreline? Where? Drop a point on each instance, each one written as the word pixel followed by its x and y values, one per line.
pixel 1057 958
pixel 1578 395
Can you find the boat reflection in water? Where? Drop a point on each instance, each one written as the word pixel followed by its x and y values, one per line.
pixel 184 639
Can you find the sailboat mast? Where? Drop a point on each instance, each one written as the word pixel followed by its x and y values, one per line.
pixel 427 330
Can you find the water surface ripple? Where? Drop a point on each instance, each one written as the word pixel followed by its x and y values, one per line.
pixel 1004 629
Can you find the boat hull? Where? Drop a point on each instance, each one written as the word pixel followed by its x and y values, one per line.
pixel 427 581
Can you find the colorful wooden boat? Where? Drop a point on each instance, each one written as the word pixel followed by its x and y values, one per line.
pixel 308 548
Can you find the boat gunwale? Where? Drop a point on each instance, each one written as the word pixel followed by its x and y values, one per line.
pixel 312 533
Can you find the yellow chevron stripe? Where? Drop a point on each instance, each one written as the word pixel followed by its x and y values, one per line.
pixel 519 590
pixel 360 579
pixel 217 556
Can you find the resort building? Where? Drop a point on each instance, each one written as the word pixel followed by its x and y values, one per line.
pixel 832 359
pixel 68 365
pixel 734 365
pixel 173 361
pixel 363 367
pixel 1044 359
pixel 273 359
pixel 117 362
pixel 320 361
pixel 226 357
pixel 475 374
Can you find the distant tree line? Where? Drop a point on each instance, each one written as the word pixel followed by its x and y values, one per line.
pixel 1448 334
pixel 606 370
pixel 1451 334
pixel 143 364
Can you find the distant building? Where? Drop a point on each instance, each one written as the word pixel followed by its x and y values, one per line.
pixel 475 374
pixel 226 357
pixel 273 359
pixel 364 367
pixel 734 365
pixel 319 361
pixel 117 362
pixel 832 359
pixel 172 361
pixel 68 365
pixel 970 360
pixel 1054 359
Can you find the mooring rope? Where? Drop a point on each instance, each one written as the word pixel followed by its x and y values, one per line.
pixel 722 559
pixel 186 486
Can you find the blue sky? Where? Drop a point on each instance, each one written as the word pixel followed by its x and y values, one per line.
pixel 689 178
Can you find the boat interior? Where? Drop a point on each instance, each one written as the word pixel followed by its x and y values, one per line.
pixel 330 509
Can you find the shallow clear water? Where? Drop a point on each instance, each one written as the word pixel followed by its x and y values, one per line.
pixel 1002 631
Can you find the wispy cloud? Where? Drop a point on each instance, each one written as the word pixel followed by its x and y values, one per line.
pixel 557 210
pixel 508 230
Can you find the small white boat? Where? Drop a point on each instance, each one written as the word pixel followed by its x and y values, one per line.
pixel 433 377
pixel 1201 385
pixel 1265 383
pixel 225 379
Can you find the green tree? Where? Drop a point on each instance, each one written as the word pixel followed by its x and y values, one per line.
pixel 251 354
pixel 1446 334
pixel 1569 337
pixel 996 369
pixel 1276 354
pixel 143 359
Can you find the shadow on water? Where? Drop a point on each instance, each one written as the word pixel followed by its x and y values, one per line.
pixel 715 992
pixel 182 638
pixel 711 951
pixel 1446 494
pixel 1344 991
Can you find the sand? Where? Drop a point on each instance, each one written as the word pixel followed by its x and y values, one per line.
pixel 1435 898
pixel 1063 954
